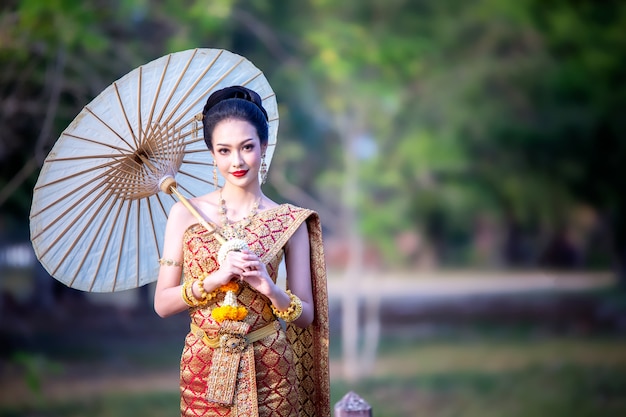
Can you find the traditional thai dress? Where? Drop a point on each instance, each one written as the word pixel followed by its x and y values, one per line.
pixel 285 372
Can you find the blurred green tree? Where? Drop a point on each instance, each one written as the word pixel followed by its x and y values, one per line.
pixel 450 109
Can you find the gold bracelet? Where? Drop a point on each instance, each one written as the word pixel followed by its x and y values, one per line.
pixel 205 297
pixel 185 296
pixel 293 311
pixel 203 293
pixel 169 262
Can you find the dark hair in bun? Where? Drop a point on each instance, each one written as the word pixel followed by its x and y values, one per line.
pixel 234 102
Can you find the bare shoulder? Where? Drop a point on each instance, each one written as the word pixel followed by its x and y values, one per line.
pixel 267 203
pixel 206 205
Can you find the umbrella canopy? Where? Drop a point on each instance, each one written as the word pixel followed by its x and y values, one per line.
pixel 98 214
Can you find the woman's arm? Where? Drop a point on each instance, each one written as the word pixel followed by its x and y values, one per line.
pixel 298 266
pixel 168 298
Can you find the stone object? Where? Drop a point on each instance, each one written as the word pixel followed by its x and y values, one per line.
pixel 351 405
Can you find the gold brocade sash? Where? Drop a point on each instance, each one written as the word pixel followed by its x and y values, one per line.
pixel 235 356
pixel 225 364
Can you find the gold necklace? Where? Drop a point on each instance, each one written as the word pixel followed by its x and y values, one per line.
pixel 235 230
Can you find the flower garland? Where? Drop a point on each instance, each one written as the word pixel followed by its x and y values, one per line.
pixel 230 310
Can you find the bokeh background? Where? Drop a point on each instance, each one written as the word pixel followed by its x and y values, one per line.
pixel 467 161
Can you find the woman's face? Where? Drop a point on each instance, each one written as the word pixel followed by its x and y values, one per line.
pixel 237 151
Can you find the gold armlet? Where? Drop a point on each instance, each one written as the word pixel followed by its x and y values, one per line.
pixel 293 311
pixel 169 262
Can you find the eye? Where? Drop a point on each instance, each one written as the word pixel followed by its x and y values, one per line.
pixel 222 151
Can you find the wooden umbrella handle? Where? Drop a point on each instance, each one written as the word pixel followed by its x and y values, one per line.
pixel 168 186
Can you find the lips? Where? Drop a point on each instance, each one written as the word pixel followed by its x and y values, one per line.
pixel 239 174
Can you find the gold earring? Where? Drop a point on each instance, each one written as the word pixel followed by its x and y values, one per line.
pixel 196 125
pixel 263 169
pixel 215 179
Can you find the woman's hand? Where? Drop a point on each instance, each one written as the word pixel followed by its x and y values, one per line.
pixel 254 272
pixel 232 267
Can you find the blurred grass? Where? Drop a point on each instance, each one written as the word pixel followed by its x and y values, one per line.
pixel 465 374
pixel 571 390
pixel 487 376
pixel 468 363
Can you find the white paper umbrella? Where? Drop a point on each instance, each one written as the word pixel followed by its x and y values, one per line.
pixel 98 214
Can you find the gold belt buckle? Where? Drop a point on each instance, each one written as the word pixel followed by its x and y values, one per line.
pixel 233 343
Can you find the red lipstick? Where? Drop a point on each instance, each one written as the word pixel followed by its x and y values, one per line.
pixel 239 174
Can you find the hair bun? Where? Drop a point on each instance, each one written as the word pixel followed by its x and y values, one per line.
pixel 235 91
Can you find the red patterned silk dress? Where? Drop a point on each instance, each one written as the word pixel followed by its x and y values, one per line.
pixel 283 374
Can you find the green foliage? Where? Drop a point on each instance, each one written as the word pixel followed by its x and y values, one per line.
pixel 509 108
pixel 35 369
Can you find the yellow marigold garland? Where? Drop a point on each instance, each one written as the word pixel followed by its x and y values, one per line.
pixel 230 286
pixel 230 310
pixel 227 312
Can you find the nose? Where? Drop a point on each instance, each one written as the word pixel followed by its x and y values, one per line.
pixel 237 160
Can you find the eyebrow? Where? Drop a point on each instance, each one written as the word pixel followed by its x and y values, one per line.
pixel 243 142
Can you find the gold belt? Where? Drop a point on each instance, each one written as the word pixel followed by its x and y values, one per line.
pixel 234 342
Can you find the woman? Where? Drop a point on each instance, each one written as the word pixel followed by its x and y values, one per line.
pixel 238 360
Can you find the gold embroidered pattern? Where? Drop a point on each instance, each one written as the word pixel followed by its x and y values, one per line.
pixel 274 387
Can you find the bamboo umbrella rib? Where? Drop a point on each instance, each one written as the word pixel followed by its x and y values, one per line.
pixel 203 94
pixel 73 221
pixel 172 153
pixel 72 207
pixel 150 143
pixel 75 175
pixel 177 83
pixel 186 190
pixel 195 178
pixel 97 142
pixel 272 94
pixel 158 90
pixel 106 187
pixel 108 127
pixel 190 89
pixel 80 236
pixel 194 141
pixel 120 205
pixel 117 158
pixel 128 125
pixel 180 128
pixel 108 240
pixel 160 201
pixel 155 237
pixel 137 241
pixel 139 123
pixel 107 174
pixel 249 80
pixel 194 151
pixel 175 146
pixel 202 163
pixel 87 252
